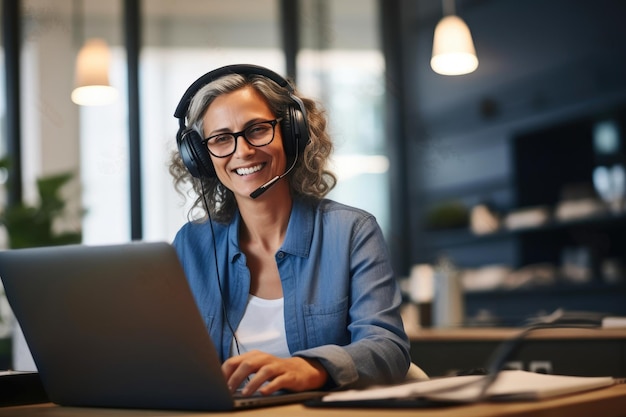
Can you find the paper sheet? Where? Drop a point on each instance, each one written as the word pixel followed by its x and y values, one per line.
pixel 509 385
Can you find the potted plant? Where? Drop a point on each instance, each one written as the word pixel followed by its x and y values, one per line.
pixel 32 225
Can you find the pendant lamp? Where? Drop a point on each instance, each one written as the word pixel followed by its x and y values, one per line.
pixel 92 86
pixel 91 74
pixel 453 47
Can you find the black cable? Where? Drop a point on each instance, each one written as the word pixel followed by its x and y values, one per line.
pixel 217 269
pixel 217 272
pixel 497 361
pixel 508 348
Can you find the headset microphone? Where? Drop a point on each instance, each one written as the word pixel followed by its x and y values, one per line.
pixel 256 193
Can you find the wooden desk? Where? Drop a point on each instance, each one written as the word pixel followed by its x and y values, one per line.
pixel 606 402
pixel 584 352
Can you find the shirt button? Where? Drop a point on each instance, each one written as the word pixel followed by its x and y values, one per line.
pixel 280 255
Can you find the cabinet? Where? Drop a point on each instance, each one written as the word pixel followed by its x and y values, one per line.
pixel 551 168
pixel 583 352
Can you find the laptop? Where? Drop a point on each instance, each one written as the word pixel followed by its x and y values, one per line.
pixel 117 326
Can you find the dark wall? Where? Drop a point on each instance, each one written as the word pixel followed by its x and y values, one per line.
pixel 542 63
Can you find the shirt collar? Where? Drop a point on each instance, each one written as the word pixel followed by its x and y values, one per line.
pixel 300 228
pixel 299 231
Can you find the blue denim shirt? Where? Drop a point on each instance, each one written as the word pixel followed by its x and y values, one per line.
pixel 341 300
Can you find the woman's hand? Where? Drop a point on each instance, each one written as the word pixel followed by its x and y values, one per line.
pixel 294 374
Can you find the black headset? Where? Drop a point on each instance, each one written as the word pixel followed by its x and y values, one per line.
pixel 294 125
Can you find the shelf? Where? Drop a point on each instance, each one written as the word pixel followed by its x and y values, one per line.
pixel 516 307
pixel 560 288
pixel 547 165
pixel 458 237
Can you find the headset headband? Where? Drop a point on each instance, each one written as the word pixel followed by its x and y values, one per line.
pixel 242 69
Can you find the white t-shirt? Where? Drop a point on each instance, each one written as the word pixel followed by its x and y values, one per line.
pixel 262 328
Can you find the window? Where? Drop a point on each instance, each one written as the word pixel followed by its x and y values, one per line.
pixel 183 41
pixel 341 64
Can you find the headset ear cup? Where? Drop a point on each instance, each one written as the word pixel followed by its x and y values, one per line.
pixel 295 132
pixel 195 156
pixel 300 128
pixel 288 135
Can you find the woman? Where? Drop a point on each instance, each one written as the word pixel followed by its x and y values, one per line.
pixel 297 291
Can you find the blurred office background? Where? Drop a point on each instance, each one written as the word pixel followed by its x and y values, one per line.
pixel 486 178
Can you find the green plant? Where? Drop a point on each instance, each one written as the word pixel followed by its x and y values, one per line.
pixel 31 226
pixel 447 215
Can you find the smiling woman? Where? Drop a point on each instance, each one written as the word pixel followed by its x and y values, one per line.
pixel 309 267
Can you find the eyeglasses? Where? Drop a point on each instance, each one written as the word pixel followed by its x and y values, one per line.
pixel 257 135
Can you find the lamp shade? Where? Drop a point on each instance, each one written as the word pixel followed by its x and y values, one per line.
pixel 92 85
pixel 453 48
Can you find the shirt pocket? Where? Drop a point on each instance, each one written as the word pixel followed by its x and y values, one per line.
pixel 327 324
